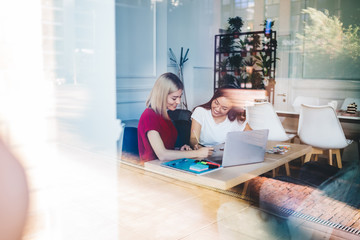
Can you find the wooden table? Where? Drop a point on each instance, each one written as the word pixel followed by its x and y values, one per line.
pixel 229 177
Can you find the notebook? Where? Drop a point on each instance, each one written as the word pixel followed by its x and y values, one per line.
pixel 241 148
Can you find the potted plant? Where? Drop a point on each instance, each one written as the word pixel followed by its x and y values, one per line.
pixel 269 45
pixel 243 46
pixel 265 62
pixel 235 62
pixel 222 66
pixel 225 45
pixel 249 65
pixel 235 25
pixel 228 81
pixel 256 80
pixel 268 25
pixel 255 42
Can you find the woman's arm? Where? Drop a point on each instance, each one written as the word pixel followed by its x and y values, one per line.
pixel 195 134
pixel 165 154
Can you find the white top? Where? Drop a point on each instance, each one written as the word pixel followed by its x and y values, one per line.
pixel 213 133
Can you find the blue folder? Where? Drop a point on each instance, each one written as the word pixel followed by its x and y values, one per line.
pixel 189 165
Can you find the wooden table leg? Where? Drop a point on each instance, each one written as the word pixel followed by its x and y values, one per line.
pixel 287 168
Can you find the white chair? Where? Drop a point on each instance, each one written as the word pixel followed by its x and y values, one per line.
pixel 314 101
pixel 263 116
pixel 347 101
pixel 320 128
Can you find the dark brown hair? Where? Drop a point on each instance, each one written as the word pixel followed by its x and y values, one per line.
pixel 232 114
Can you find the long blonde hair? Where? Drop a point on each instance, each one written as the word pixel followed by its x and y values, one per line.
pixel 167 83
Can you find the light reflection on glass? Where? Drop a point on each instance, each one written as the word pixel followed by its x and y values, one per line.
pixel 326 34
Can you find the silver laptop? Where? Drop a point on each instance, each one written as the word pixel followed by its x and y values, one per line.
pixel 241 148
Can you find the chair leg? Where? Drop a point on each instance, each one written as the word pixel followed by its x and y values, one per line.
pixel 307 157
pixel 246 184
pixel 338 157
pixel 330 157
pixel 315 152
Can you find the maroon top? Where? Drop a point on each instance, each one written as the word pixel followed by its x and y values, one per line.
pixel 149 120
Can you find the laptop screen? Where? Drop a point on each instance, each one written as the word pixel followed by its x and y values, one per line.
pixel 242 148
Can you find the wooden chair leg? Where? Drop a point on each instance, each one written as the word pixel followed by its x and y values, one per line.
pixel 307 157
pixel 246 184
pixel 287 168
pixel 338 158
pixel 330 157
pixel 314 152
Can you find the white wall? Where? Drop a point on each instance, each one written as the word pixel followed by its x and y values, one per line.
pixel 141 28
pixel 192 25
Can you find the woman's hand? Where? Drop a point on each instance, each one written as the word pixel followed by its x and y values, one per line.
pixel 205 152
pixel 197 146
pixel 185 148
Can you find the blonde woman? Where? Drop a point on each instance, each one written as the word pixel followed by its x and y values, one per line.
pixel 156 133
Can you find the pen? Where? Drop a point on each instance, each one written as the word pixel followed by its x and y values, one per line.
pixel 197 139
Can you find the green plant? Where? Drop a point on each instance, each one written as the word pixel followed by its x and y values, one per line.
pixel 228 81
pixel 225 44
pixel 244 43
pixel 271 24
pixel 255 42
pixel 235 61
pixel 235 24
pixel 249 65
pixel 223 64
pixel 241 45
pixel 265 62
pixel 249 62
pixel 256 80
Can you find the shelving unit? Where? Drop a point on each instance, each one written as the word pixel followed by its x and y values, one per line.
pixel 233 51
